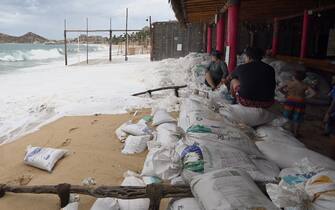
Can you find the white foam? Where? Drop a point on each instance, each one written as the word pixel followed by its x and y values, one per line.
pixel 35 96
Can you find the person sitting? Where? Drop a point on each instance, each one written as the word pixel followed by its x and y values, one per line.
pixel 253 83
pixel 296 91
pixel 216 72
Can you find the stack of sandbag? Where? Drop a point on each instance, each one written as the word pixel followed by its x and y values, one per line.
pixel 228 189
pixel 304 186
pixel 134 135
pixel 321 86
pixel 162 161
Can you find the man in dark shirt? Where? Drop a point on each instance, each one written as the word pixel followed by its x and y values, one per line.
pixel 216 72
pixel 253 83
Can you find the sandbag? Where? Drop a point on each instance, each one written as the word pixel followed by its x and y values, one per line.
pixel 228 189
pixel 105 204
pixel 167 126
pixel 71 206
pixel 167 138
pixel 138 129
pixel 184 204
pixel 248 115
pixel 210 157
pixel 278 135
pixel 163 163
pixel 268 168
pixel 133 204
pixel 285 156
pixel 242 142
pixel 120 134
pixel 162 116
pixel 43 158
pixel 135 144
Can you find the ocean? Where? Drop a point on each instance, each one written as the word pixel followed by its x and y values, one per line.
pixel 17 56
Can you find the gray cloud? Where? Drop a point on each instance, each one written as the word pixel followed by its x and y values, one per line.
pixel 46 17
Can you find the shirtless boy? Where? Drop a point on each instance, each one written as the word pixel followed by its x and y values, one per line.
pixel 296 91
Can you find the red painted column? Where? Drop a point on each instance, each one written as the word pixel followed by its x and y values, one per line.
pixel 209 39
pixel 220 34
pixel 304 36
pixel 233 12
pixel 274 49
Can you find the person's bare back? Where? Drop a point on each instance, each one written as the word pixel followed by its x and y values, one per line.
pixel 297 89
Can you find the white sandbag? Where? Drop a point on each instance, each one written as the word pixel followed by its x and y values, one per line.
pixel 135 144
pixel 189 105
pixel 138 129
pixel 268 168
pixel 285 156
pixel 151 180
pixel 228 157
pixel 278 135
pixel 167 138
pixel 248 115
pixel 120 134
pixel 106 204
pixel 167 126
pixel 242 142
pixel 71 206
pixel 163 163
pixel 43 157
pixel 228 189
pixel 162 116
pixel 184 204
pixel 134 204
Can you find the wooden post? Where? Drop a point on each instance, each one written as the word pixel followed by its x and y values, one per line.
pixel 233 13
pixel 86 40
pixel 151 38
pixel 209 39
pixel 220 33
pixel 110 39
pixel 65 43
pixel 304 36
pixel 154 191
pixel 126 43
pixel 275 37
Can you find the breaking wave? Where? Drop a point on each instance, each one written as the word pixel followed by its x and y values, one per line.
pixel 34 54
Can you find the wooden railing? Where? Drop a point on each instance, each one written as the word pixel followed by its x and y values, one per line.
pixel 154 192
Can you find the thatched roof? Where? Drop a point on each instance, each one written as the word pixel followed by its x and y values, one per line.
pixel 188 11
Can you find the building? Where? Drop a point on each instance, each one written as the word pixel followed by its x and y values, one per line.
pixel 300 31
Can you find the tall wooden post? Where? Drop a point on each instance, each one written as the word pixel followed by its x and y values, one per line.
pixel 304 36
pixel 209 39
pixel 126 43
pixel 65 43
pixel 220 33
pixel 274 50
pixel 110 39
pixel 151 38
pixel 86 40
pixel 233 12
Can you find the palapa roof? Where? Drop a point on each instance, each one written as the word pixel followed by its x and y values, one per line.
pixel 188 11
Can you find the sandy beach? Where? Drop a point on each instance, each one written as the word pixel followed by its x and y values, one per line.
pixel 95 152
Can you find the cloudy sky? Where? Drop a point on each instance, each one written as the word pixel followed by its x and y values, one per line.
pixel 46 17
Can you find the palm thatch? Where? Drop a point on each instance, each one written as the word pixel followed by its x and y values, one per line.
pixel 179 10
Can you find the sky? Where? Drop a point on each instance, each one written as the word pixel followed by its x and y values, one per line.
pixel 46 17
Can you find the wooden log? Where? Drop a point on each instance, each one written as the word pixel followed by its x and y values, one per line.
pixel 176 88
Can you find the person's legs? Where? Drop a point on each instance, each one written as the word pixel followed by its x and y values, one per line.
pixel 297 119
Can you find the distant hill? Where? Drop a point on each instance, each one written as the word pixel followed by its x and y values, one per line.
pixel 26 38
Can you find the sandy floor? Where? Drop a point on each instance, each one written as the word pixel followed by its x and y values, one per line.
pixel 95 153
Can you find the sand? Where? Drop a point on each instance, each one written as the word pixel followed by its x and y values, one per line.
pixel 95 152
